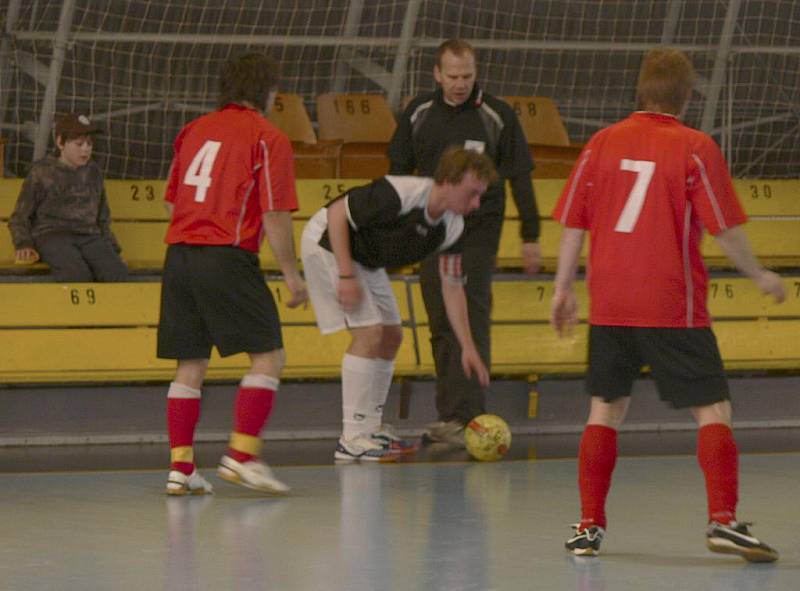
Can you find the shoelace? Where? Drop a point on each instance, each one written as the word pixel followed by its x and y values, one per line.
pixel 591 536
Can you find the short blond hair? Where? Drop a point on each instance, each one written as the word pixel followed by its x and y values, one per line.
pixel 456 161
pixel 455 46
pixel 665 80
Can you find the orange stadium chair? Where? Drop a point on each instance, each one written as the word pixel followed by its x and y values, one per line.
pixel 365 124
pixel 547 137
pixel 312 159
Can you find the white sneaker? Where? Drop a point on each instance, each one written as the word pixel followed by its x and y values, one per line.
pixel 388 438
pixel 179 484
pixel 253 474
pixel 361 448
pixel 449 432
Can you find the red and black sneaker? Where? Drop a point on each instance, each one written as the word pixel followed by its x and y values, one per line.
pixel 586 541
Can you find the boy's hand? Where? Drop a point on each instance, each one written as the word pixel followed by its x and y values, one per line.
pixel 26 256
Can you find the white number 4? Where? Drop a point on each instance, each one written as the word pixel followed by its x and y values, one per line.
pixel 199 172
pixel 644 170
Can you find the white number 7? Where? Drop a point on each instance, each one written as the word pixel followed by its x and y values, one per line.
pixel 199 172
pixel 644 170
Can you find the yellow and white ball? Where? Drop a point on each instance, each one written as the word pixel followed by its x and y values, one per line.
pixel 488 438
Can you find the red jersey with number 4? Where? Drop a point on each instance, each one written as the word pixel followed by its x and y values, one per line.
pixel 645 188
pixel 230 167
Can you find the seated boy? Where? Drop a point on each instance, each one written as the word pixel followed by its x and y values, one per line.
pixel 62 214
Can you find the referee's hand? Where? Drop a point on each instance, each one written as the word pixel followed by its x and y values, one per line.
pixel 297 287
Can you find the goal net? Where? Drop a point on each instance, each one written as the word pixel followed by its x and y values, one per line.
pixel 143 68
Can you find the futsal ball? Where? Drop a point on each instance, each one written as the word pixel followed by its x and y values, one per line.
pixel 488 438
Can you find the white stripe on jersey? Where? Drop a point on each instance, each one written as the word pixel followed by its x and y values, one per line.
pixel 711 195
pixel 238 239
pixel 347 213
pixel 574 184
pixel 418 111
pixel 270 200
pixel 493 114
pixel 687 266
pixel 413 191
pixel 454 227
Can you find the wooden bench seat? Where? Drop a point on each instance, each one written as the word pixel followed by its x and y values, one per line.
pixel 95 332
pixel 89 332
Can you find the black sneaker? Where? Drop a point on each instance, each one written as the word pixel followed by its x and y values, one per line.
pixel 735 538
pixel 585 542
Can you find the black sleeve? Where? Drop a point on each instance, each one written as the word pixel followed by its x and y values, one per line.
pixel 401 146
pixel 457 247
pixel 515 163
pixel 525 200
pixel 373 205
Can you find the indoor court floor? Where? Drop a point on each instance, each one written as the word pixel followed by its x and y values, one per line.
pixel 446 525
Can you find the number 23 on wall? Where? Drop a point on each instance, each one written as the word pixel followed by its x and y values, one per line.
pixel 199 172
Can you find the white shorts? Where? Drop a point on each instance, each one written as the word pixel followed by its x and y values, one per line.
pixel 378 304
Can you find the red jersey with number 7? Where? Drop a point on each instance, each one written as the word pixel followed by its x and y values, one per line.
pixel 230 167
pixel 645 188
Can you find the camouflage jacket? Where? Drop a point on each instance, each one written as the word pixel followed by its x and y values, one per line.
pixel 57 197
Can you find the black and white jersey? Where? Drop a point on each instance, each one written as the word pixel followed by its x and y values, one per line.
pixel 390 226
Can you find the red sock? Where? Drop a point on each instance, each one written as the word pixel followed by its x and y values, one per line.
pixel 596 461
pixel 718 457
pixel 252 410
pixel 183 412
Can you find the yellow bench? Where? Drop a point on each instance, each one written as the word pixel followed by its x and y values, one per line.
pixel 107 332
pixel 753 332
pixel 90 332
pixel 140 221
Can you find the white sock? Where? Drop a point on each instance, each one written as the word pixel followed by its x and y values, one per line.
pixel 358 376
pixel 384 371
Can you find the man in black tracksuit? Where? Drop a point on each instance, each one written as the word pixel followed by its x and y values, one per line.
pixel 460 113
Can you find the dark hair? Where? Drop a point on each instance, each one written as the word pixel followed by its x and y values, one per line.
pixel 457 161
pixel 454 46
pixel 665 80
pixel 249 77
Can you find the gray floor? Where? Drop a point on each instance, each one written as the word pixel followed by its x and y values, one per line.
pixel 418 526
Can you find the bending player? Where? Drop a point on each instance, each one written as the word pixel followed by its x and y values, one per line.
pixel 392 222
pixel 644 189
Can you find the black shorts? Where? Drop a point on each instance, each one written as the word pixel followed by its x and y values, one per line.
pixel 215 296
pixel 685 363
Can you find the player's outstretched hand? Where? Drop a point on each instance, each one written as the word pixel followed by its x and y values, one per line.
pixel 348 292
pixel 297 287
pixel 563 312
pixel 471 361
pixel 770 284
